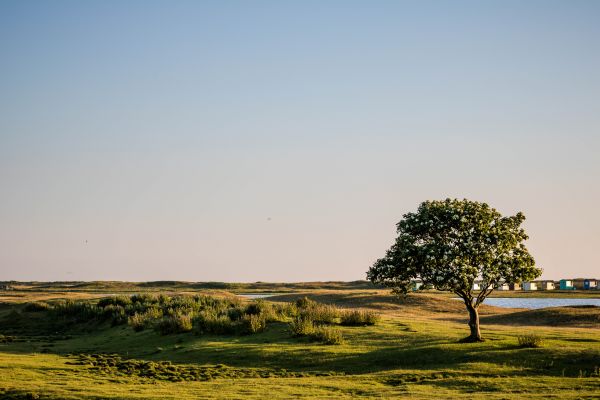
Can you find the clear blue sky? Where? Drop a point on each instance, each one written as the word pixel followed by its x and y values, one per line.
pixel 282 141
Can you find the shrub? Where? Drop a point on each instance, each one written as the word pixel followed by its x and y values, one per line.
pixel 177 323
pixel 235 313
pixel 145 320
pixel 137 322
pixel 144 298
pixel 327 335
pixel 37 306
pixel 530 340
pixel 305 302
pixel 359 318
pixel 208 322
pixel 257 307
pixel 79 311
pixel 302 326
pixel 116 314
pixel 122 301
pixel 320 313
pixel 253 324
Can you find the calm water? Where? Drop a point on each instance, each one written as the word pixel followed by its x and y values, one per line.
pixel 517 302
pixel 258 295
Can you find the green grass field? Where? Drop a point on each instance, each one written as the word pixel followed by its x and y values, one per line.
pixel 413 352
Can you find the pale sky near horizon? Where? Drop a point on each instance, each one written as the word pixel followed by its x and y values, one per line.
pixel 282 141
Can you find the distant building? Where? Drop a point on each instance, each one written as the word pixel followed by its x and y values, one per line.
pixel 590 284
pixel 566 284
pixel 515 286
pixel 477 285
pixel 547 285
pixel 416 285
pixel 530 286
pixel 503 286
pixel 5 287
pixel 578 283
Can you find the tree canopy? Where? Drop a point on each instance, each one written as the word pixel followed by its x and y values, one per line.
pixel 450 244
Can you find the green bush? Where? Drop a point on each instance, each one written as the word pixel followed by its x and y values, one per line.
pixel 80 311
pixel 358 318
pixel 122 301
pixel 209 322
pixel 253 324
pixel 320 313
pixel 178 323
pixel 530 340
pixel 235 313
pixel 137 322
pixel 37 306
pixel 305 302
pixel 327 335
pixel 302 326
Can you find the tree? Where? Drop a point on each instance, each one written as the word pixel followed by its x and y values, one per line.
pixel 451 243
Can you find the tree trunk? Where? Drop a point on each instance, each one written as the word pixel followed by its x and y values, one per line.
pixel 473 324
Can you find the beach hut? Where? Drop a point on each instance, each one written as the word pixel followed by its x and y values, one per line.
pixel 548 285
pixel 590 284
pixel 530 286
pixel 578 283
pixel 566 284
pixel 515 286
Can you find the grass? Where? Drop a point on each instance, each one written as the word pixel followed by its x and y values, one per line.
pixel 411 352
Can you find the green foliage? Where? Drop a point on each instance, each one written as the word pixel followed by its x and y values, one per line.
pixel 79 311
pixel 177 323
pixel 316 312
pixel 301 326
pixel 122 301
pixel 530 340
pixel 253 324
pixel 327 335
pixel 140 321
pixel 449 244
pixel 208 322
pixel 359 318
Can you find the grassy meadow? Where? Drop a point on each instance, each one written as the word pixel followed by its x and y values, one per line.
pixel 172 340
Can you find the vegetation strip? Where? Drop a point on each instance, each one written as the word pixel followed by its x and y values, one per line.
pixel 113 364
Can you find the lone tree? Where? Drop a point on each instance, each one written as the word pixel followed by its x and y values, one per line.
pixel 449 244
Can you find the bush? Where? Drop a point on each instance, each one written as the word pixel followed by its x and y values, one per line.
pixel 359 318
pixel 320 313
pixel 137 322
pixel 327 335
pixel 530 340
pixel 116 314
pixel 305 302
pixel 235 313
pixel 302 326
pixel 177 323
pixel 253 324
pixel 122 301
pixel 37 306
pixel 208 322
pixel 79 311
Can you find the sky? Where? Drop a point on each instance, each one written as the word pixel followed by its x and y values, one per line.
pixel 283 140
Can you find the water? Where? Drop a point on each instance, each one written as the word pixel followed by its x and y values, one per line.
pixel 520 302
pixel 258 295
